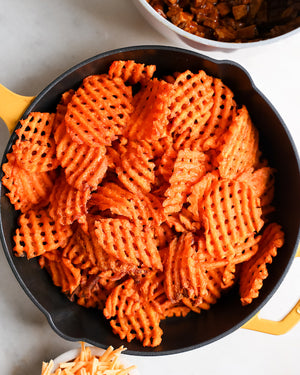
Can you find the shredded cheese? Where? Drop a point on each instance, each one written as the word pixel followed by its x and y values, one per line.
pixel 87 364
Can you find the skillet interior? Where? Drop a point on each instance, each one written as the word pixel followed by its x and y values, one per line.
pixel 73 322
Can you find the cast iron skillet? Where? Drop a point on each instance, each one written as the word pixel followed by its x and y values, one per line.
pixel 73 322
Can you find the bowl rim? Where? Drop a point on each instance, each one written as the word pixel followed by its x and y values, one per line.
pixel 198 40
pixel 71 354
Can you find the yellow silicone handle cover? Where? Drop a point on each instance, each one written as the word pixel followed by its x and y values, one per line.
pixel 276 327
pixel 12 106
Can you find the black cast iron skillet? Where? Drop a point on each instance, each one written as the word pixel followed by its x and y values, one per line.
pixel 73 322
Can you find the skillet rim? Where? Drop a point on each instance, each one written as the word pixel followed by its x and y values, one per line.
pixel 43 93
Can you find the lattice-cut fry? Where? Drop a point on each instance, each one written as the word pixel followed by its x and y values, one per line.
pixel 90 293
pixel 243 253
pixel 80 251
pixel 170 78
pixel 132 316
pixel 151 287
pixel 215 290
pixel 151 211
pixel 113 197
pixel 110 279
pixel 189 168
pixel 191 103
pixel 262 182
pixel 220 119
pixel 136 170
pixel 27 190
pixel 113 157
pixel 217 280
pixel 239 146
pixel 205 258
pixel 175 309
pixel 160 188
pixel 149 118
pixel 94 288
pixel 35 146
pixel 229 275
pixel 167 161
pixel 143 209
pixel 184 276
pixel 159 146
pixel 99 110
pixel 254 271
pixel 187 221
pixel 39 233
pixel 214 285
pixel 163 235
pixel 63 273
pixel 68 204
pixel 115 238
pixel 131 72
pixel 127 242
pixel 184 140
pixel 246 250
pixel 198 193
pixel 183 221
pixel 231 213
pixel 61 108
pixel 104 261
pixel 84 166
pixel 87 170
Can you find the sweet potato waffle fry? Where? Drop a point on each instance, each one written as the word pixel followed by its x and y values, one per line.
pixel 63 273
pixel 67 204
pixel 184 275
pixel 221 117
pixel 191 104
pixel 189 168
pixel 84 166
pixel 239 146
pixel 81 253
pixel 131 72
pixel 61 109
pixel 131 316
pixel 136 170
pixel 151 109
pixel 99 110
pixel 156 200
pixel 39 233
pixel 128 242
pixel 262 182
pixel 254 271
pixel 230 214
pixel 26 189
pixel 35 146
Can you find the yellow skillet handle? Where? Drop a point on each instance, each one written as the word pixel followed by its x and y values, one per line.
pixel 12 106
pixel 276 327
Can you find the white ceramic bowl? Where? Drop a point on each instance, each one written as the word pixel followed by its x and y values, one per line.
pixel 70 355
pixel 176 34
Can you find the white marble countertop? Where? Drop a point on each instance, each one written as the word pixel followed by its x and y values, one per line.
pixel 42 39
